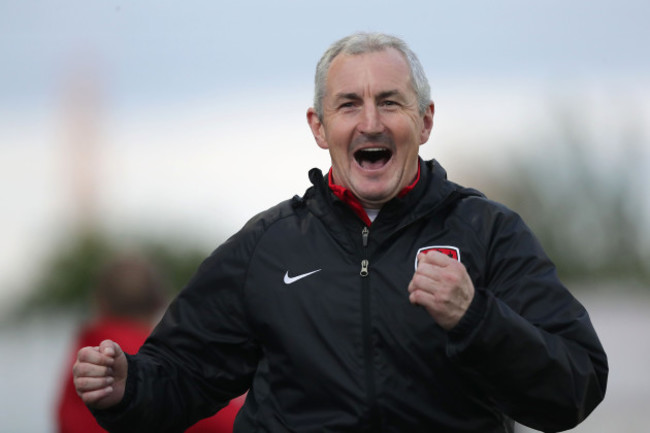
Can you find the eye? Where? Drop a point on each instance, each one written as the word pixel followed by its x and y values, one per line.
pixel 348 104
pixel 389 103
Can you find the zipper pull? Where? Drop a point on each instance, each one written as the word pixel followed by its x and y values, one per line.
pixel 364 268
pixel 364 236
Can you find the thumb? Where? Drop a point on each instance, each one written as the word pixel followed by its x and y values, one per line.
pixel 116 359
pixel 110 348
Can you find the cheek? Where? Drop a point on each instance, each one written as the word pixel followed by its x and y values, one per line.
pixel 410 137
pixel 339 138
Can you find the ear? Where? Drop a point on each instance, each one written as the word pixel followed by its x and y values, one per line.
pixel 317 128
pixel 427 123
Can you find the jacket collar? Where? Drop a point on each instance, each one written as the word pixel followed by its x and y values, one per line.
pixel 432 194
pixel 346 196
pixel 431 191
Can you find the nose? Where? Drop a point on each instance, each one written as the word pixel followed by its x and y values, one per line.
pixel 370 122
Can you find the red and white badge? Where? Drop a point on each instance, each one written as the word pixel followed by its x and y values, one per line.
pixel 449 251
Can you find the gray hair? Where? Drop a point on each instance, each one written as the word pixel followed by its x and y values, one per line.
pixel 362 43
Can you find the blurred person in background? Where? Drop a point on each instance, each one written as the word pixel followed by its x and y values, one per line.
pixel 385 299
pixel 129 298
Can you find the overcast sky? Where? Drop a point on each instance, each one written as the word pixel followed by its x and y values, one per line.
pixel 152 50
pixel 200 102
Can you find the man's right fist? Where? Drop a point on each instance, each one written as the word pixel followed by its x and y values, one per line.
pixel 100 375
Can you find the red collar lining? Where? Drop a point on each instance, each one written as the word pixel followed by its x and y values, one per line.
pixel 346 196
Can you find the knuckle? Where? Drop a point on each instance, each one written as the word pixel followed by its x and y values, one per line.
pixel 416 281
pixel 84 353
pixel 452 278
pixel 81 383
pixel 87 398
pixel 88 384
pixel 417 296
pixel 79 369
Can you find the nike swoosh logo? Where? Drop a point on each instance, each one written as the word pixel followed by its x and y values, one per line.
pixel 291 280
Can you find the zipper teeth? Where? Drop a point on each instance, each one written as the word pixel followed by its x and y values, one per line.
pixel 371 392
pixel 367 328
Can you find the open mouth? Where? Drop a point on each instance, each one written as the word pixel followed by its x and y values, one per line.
pixel 372 158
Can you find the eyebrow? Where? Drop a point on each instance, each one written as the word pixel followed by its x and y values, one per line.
pixel 381 95
pixel 389 94
pixel 351 95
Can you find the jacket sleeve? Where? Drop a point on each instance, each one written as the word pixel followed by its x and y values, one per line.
pixel 200 356
pixel 525 340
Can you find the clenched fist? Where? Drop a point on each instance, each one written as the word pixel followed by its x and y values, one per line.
pixel 442 286
pixel 100 374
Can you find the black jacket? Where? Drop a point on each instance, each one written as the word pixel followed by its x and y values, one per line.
pixel 283 309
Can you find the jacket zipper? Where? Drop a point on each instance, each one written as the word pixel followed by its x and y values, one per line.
pixel 367 330
pixel 364 240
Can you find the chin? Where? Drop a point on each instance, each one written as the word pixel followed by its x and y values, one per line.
pixel 374 196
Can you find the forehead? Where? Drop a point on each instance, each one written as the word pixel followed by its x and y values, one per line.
pixel 377 71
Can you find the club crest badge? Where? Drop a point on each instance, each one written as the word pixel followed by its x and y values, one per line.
pixel 449 251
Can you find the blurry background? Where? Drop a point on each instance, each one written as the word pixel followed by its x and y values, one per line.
pixel 160 127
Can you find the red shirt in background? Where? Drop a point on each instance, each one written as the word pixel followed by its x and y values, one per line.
pixel 72 414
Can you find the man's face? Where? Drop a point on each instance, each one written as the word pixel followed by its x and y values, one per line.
pixel 371 125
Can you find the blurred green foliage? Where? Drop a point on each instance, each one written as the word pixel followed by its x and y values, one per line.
pixel 69 275
pixel 583 194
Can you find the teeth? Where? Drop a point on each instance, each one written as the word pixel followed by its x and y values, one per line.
pixel 372 156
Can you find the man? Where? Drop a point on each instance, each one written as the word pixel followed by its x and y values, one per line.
pixel 385 299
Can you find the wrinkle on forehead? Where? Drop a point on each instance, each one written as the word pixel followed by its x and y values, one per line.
pixel 359 74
